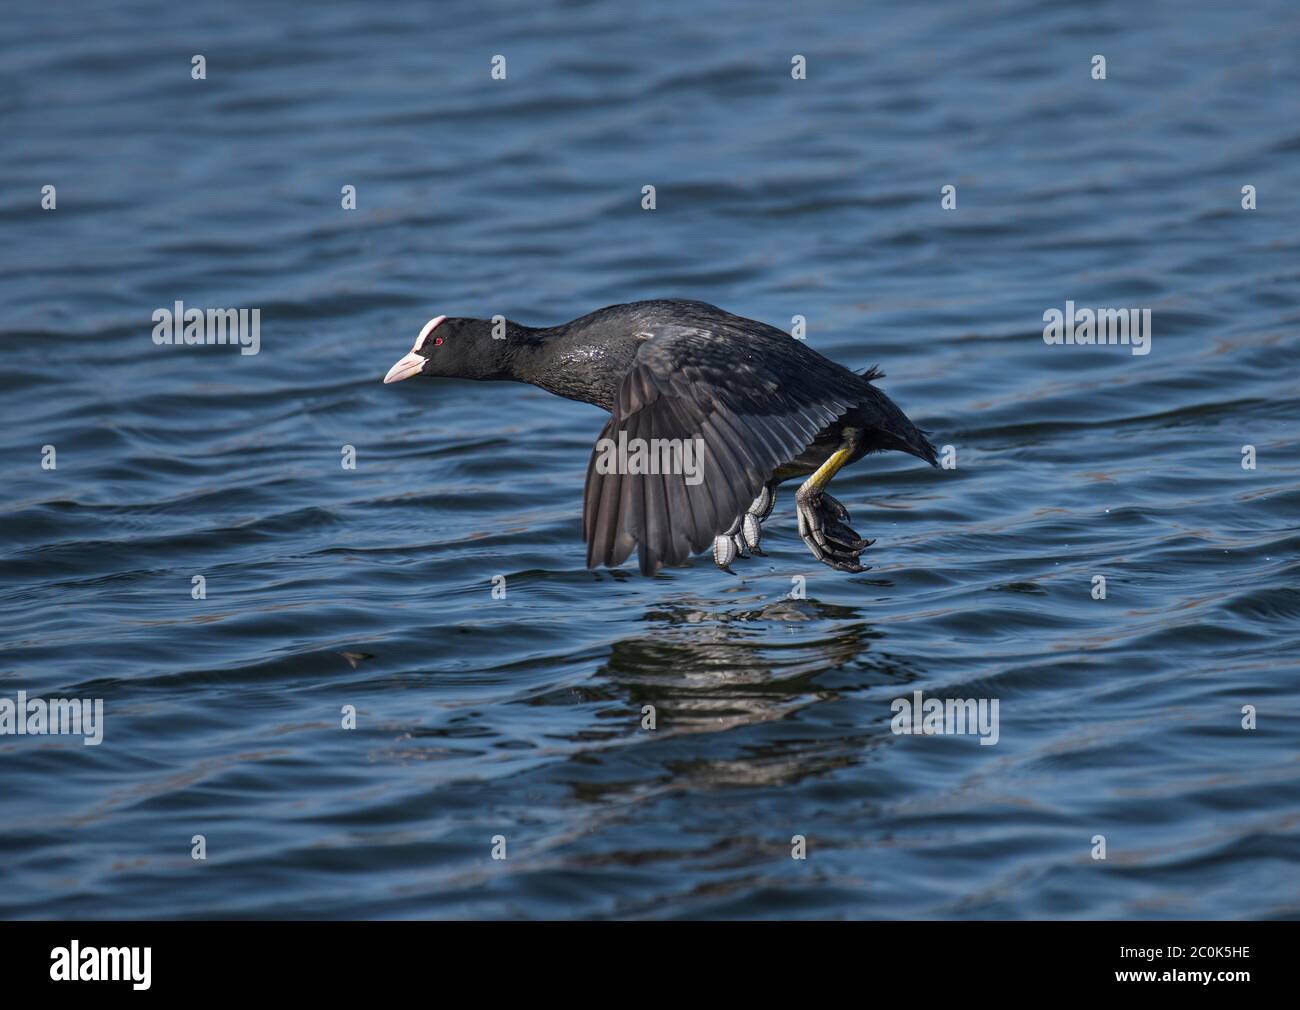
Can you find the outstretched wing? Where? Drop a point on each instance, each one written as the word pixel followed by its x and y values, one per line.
pixel 754 401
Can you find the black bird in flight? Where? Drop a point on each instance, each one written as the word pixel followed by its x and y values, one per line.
pixel 716 410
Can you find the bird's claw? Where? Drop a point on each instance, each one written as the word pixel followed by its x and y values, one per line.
pixel 834 505
pixel 744 535
pixel 761 507
pixel 822 527
pixel 724 552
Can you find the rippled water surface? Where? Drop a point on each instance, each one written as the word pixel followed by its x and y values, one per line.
pixel 521 717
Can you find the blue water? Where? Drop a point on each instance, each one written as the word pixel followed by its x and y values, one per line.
pixel 480 717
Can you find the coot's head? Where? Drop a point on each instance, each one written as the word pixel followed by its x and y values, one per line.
pixel 453 348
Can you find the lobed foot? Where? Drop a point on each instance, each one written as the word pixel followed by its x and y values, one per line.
pixel 822 525
pixel 745 534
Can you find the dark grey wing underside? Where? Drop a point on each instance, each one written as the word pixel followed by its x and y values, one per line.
pixel 756 401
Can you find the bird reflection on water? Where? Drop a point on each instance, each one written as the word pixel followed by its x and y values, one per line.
pixel 712 670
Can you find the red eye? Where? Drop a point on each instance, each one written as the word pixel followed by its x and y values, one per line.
pixel 437 341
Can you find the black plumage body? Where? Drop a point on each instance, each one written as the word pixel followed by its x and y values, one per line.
pixel 767 407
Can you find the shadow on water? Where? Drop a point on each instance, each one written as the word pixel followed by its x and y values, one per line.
pixel 738 674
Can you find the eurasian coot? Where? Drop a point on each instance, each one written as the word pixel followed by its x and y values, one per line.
pixel 709 413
